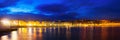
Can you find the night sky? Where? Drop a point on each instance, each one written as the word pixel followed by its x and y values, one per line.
pixel 60 9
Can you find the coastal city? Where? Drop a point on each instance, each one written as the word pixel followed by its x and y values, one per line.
pixel 59 19
pixel 83 23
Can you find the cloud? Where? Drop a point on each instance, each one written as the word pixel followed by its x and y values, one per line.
pixel 60 9
pixel 53 8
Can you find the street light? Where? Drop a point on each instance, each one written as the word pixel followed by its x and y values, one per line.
pixel 5 22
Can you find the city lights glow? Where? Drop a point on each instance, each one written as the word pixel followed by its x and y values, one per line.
pixel 22 23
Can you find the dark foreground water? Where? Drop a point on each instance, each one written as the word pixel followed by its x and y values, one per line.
pixel 54 33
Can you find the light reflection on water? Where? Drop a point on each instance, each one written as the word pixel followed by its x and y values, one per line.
pixel 74 33
pixel 5 37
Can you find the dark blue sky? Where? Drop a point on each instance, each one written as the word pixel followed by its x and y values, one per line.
pixel 60 9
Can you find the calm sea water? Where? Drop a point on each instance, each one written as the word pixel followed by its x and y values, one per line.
pixel 55 33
